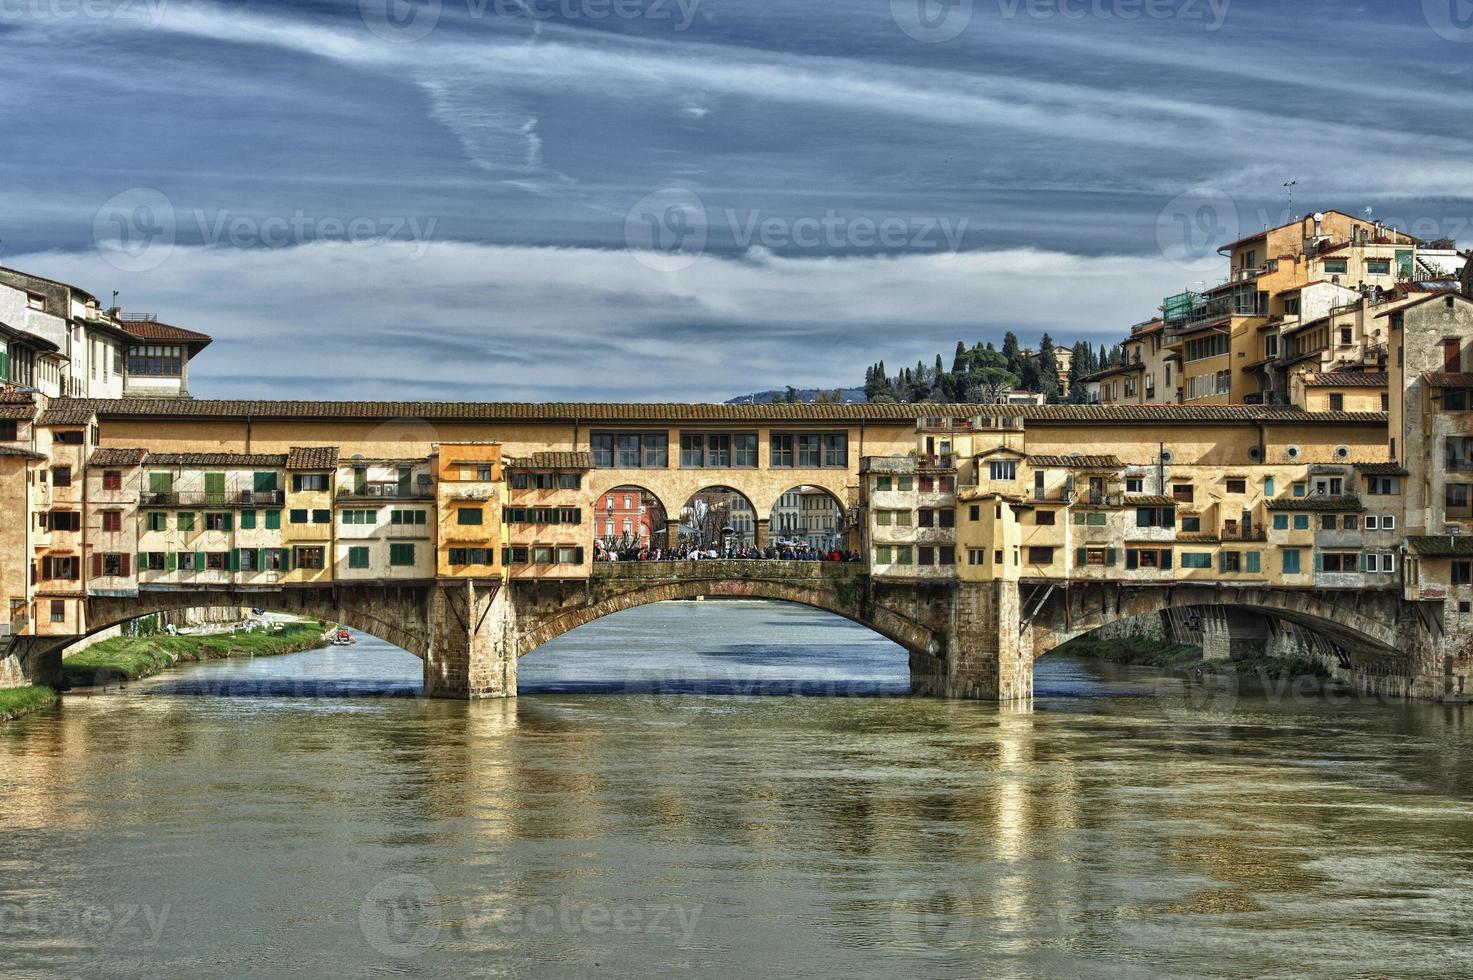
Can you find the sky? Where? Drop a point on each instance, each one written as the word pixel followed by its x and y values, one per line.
pixel 641 200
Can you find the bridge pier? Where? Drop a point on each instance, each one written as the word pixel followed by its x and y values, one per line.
pixel 30 660
pixel 987 655
pixel 473 642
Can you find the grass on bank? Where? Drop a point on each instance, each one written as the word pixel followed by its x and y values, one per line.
pixel 127 658
pixel 17 701
pixel 1178 659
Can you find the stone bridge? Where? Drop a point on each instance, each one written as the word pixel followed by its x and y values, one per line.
pixel 964 639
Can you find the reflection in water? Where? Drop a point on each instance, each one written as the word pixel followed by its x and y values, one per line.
pixel 1115 828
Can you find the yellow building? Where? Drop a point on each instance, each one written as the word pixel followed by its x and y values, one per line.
pixel 307 532
pixel 469 500
pixel 548 521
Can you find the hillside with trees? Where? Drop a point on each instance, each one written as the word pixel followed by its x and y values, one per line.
pixel 983 373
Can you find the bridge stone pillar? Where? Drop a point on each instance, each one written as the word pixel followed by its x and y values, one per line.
pixel 473 642
pixel 672 534
pixel 764 532
pixel 987 656
pixel 30 660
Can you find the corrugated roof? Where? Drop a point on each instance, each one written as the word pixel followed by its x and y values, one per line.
pixel 1077 461
pixel 117 457
pixel 553 461
pixel 216 459
pixel 1347 379
pixel 611 413
pixel 312 457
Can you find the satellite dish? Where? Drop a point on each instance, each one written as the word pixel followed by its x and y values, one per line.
pixel 1319 216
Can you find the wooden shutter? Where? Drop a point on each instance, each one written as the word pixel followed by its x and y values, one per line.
pixel 1166 559
pixel 171 561
pixel 123 562
pixel 1110 557
pixel 199 561
pixel 96 565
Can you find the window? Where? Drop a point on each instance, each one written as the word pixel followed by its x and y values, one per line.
pixel 468 515
pixel 158 521
pixel 358 556
pixel 1337 402
pixel 1327 522
pixel 836 450
pixel 883 554
pixel 112 521
pixel 541 555
pixel 1297 489
pixel 1378 267
pixel 1002 469
pixel 630 450
pixel 1155 517
pixel 883 484
pixel 217 522
pixel 184 521
pixel 246 560
pixel 808 451
pixel 1196 559
pixel 1191 524
pixel 903 555
pixel 1040 555
pixel 407 517
pixel 58 610
pixel 298 516
pixel 1097 557
pixel 1134 484
pixel 359 517
pixel 1388 522
pixel 1237 486
pixel 1372 522
pixel 273 520
pixel 1281 522
pixel 1043 518
pixel 1268 486
pixel 401 553
pixel 309 481
pixel 112 480
pixel 185 561
pixel 1182 492
pixel 61 476
pixel 1291 561
pixel 247 520
pixel 1336 267
pixel 926 555
pixel 1301 522
pixel 1339 562
pixel 482 556
pixel 305 557
pixel 321 517
pixel 1381 485
pixel 1229 561
pixel 976 556
pixel 156 360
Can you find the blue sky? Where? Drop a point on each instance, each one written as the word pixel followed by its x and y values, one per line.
pixel 689 199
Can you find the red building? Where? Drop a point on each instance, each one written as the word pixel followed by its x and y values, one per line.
pixel 629 514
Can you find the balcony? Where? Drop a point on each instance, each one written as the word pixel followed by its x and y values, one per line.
pixel 1231 532
pixel 233 498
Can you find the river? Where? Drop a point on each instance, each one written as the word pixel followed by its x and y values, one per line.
pixel 672 794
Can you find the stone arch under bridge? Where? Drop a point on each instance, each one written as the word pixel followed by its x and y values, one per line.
pixel 1368 635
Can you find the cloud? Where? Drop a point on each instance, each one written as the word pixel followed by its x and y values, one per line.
pixel 466 321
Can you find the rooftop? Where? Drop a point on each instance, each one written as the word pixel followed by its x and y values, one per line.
pixel 587 413
pixel 1346 379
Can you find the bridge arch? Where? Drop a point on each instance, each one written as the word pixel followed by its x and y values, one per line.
pixel 712 511
pixel 808 512
pixel 635 505
pixel 827 586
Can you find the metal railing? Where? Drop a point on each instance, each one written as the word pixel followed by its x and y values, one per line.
pixel 229 498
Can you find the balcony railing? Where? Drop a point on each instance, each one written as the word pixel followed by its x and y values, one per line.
pixel 231 498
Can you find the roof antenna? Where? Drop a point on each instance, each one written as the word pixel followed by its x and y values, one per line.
pixel 1289 185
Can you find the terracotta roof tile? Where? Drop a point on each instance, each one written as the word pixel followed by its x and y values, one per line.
pixel 17 412
pixel 1440 545
pixel 1149 500
pixel 66 411
pixel 216 459
pixel 1444 379
pixel 117 457
pixel 552 461
pixel 22 453
pixel 1382 469
pixel 312 458
pixel 1347 379
pixel 1343 503
pixel 152 330
pixel 594 414
pixel 1077 461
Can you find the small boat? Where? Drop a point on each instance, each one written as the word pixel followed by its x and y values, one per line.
pixel 342 638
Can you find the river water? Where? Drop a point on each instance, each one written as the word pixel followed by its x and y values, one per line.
pixel 671 795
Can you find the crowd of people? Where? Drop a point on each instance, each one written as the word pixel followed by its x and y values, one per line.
pixel 779 552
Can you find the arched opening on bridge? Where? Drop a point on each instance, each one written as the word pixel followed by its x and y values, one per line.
pixel 807 517
pixel 717 646
pixel 244 651
pixel 718 519
pixel 627 520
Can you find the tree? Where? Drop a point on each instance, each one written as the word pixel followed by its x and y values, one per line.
pixel 1048 370
pixel 989 384
pixel 1011 353
pixel 959 359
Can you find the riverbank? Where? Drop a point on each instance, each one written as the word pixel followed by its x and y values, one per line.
pixel 1176 658
pixel 17 701
pixel 128 658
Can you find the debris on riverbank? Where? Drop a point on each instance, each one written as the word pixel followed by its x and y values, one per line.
pixel 1177 658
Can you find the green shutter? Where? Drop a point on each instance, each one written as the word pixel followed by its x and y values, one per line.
pixel 264 482
pixel 1319 562
pixel 1166 559
pixel 143 561
pixel 1222 562
pixel 229 522
pixel 1109 557
pixel 273 520
pixel 1132 558
pixel 235 559
pixel 1080 557
pixel 171 561
pixel 1253 562
pixel 247 520
pixel 199 561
